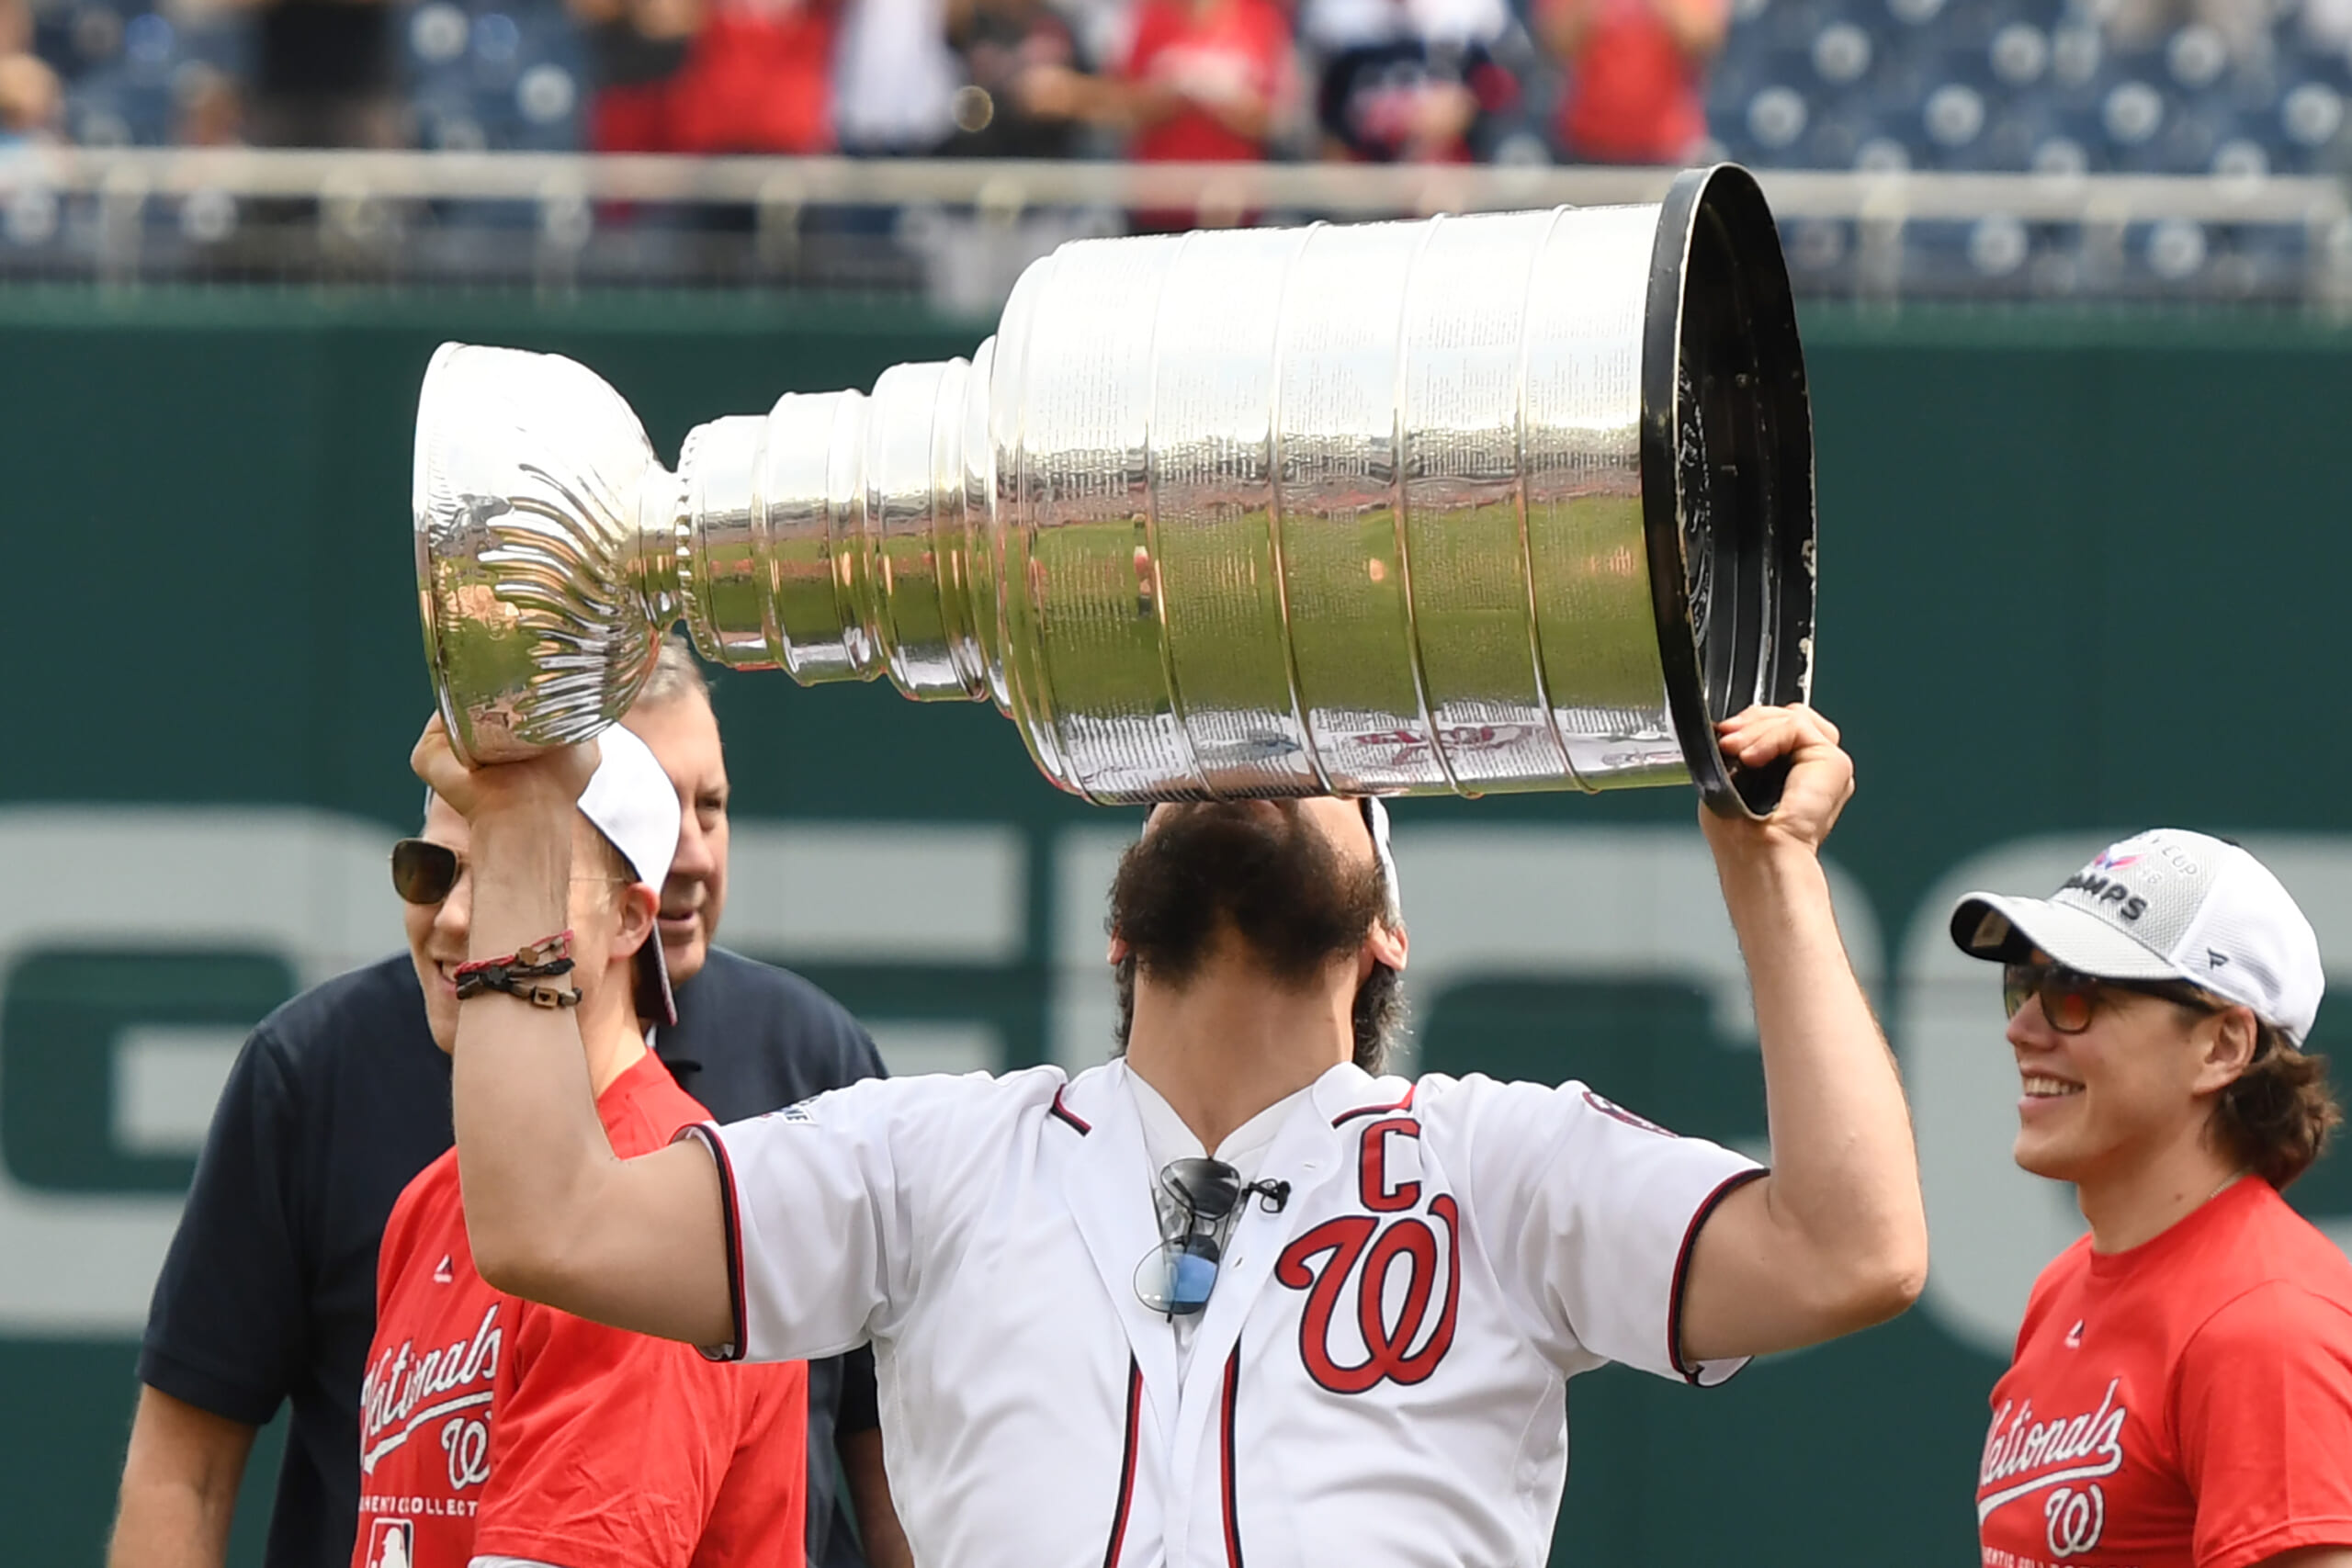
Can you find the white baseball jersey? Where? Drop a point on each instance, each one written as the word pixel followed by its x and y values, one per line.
pixel 1379 1374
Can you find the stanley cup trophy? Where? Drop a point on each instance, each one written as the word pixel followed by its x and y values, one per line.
pixel 1512 501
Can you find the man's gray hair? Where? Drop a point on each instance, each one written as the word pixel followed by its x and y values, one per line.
pixel 676 674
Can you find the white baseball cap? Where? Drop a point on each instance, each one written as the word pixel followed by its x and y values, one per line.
pixel 2166 904
pixel 631 801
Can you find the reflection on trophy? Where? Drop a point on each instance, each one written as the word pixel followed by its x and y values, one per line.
pixel 1512 501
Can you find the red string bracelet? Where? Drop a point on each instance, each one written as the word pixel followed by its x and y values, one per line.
pixel 519 963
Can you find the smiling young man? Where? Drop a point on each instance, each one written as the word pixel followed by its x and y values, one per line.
pixel 499 1433
pixel 2181 1396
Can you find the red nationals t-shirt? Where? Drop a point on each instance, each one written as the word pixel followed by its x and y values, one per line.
pixel 493 1426
pixel 2186 1403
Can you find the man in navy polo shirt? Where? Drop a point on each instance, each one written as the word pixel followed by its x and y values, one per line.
pixel 339 1098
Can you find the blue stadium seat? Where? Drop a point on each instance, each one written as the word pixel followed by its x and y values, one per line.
pixel 2020 84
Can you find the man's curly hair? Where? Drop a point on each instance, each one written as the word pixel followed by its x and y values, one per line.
pixel 2276 1119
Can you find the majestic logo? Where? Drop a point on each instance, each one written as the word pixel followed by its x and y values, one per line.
pixel 445 1272
pixel 1400 1342
pixel 2074 1335
pixel 403 1392
pixel 2065 1459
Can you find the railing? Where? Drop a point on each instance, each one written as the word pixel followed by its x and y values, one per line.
pixel 958 231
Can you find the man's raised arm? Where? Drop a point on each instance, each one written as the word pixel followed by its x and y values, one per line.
pixel 551 1215
pixel 1835 1238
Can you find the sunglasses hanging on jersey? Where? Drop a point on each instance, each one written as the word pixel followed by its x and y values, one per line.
pixel 1197 1201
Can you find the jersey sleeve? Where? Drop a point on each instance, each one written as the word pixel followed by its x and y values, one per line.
pixel 823 1203
pixel 1588 1214
pixel 227 1326
pixel 2263 1409
pixel 607 1449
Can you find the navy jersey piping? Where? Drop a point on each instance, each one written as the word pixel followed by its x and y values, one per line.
pixel 709 1139
pixel 1126 1464
pixel 1730 1185
pixel 1066 1114
pixel 1224 1460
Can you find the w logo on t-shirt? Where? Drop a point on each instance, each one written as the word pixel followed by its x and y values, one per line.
pixel 2060 1463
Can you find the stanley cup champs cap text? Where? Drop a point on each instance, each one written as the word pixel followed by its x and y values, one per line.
pixel 2165 905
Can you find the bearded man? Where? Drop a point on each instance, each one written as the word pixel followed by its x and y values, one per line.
pixel 1233 1294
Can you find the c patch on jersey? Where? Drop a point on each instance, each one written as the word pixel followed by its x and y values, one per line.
pixel 1361 1327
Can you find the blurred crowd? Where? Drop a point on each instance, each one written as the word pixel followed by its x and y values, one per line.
pixel 1193 79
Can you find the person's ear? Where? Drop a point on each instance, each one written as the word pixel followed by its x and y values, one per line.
pixel 1388 944
pixel 640 909
pixel 1119 950
pixel 2231 1039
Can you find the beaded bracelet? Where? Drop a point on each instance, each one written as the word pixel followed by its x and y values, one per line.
pixel 513 974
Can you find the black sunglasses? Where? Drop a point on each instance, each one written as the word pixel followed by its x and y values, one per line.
pixel 2070 998
pixel 425 872
pixel 1198 1199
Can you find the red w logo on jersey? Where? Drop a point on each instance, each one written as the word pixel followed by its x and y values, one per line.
pixel 1359 1254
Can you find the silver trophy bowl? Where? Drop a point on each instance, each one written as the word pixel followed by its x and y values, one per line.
pixel 1512 501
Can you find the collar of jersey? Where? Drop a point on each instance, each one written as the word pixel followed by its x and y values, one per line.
pixel 1343 1093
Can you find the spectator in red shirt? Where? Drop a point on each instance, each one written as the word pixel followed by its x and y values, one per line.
pixel 1204 82
pixel 636 48
pixel 1635 70
pixel 758 78
pixel 494 1429
pixel 2181 1394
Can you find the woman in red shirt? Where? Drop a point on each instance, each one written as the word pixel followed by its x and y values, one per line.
pixel 1636 72
pixel 2181 1396
pixel 1204 82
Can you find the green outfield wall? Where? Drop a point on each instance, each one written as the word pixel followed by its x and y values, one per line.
pixel 2079 573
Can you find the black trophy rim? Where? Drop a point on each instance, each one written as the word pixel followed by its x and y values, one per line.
pixel 1726 464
